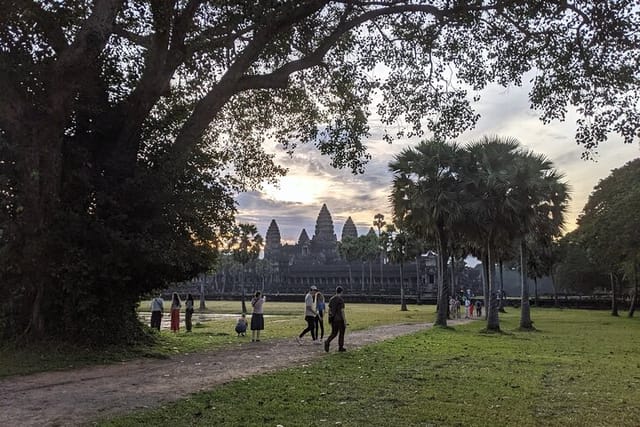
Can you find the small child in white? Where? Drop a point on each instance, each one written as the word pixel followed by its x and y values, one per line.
pixel 241 326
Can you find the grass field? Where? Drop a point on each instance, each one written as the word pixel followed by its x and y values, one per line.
pixel 579 368
pixel 282 319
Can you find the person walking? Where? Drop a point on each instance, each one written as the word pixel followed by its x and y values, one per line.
pixel 319 321
pixel 157 307
pixel 337 320
pixel 309 316
pixel 257 317
pixel 188 312
pixel 175 312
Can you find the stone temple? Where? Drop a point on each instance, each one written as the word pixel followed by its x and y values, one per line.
pixel 317 261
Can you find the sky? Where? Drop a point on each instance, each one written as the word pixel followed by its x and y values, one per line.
pixel 311 181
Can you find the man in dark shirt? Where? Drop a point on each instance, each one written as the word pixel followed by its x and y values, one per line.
pixel 337 319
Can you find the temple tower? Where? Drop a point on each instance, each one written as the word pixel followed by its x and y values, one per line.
pixel 324 243
pixel 349 229
pixel 272 244
pixel 304 243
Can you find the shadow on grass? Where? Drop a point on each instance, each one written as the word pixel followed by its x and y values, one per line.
pixel 494 332
pixel 530 329
pixel 445 328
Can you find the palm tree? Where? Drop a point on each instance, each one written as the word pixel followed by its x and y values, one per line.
pixel 398 252
pixel 541 204
pixel 426 200
pixel 492 211
pixel 246 244
pixel 378 222
pixel 348 249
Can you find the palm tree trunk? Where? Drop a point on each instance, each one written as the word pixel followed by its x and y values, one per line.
pixel 556 303
pixel 443 292
pixel 381 268
pixel 525 309
pixel 501 309
pixel 485 284
pixel 203 305
pixel 493 320
pixel 614 295
pixel 417 279
pixel 634 298
pixel 370 277
pixel 244 304
pixel 403 303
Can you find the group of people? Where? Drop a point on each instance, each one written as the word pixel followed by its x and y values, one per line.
pixel 470 306
pixel 314 316
pixel 315 309
pixel 157 310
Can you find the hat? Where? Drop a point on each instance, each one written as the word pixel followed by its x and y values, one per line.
pixel 313 288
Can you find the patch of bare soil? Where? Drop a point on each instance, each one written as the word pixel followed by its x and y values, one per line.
pixel 74 397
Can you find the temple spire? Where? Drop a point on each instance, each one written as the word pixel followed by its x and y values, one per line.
pixel 349 229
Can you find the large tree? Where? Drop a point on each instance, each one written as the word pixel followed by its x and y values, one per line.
pixel 127 126
pixel 426 200
pixel 492 208
pixel 609 224
pixel 541 198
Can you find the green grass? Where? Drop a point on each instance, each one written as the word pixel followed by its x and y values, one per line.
pixel 578 368
pixel 282 320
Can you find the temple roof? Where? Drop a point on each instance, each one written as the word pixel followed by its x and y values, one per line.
pixel 324 226
pixel 272 239
pixel 304 238
pixel 349 229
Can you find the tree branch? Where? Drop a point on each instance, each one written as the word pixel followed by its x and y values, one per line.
pixel 142 41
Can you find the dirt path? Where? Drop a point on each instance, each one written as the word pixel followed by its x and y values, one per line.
pixel 80 395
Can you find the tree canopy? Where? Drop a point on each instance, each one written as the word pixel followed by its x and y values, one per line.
pixel 488 194
pixel 126 127
pixel 609 227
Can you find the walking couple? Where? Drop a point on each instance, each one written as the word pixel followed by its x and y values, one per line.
pixel 314 312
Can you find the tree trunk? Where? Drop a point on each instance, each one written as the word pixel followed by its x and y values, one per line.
pixel 362 283
pixel 403 303
pixel 244 304
pixel 370 277
pixel 485 284
pixel 525 309
pixel 203 305
pixel 614 295
pixel 418 279
pixel 501 300
pixel 443 291
pixel 556 303
pixel 493 320
pixel 381 269
pixel 634 299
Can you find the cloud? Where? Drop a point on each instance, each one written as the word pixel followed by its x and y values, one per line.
pixel 505 112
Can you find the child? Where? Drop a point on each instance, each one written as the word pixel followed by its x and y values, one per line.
pixel 241 326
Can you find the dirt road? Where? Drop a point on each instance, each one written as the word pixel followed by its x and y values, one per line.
pixel 78 396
